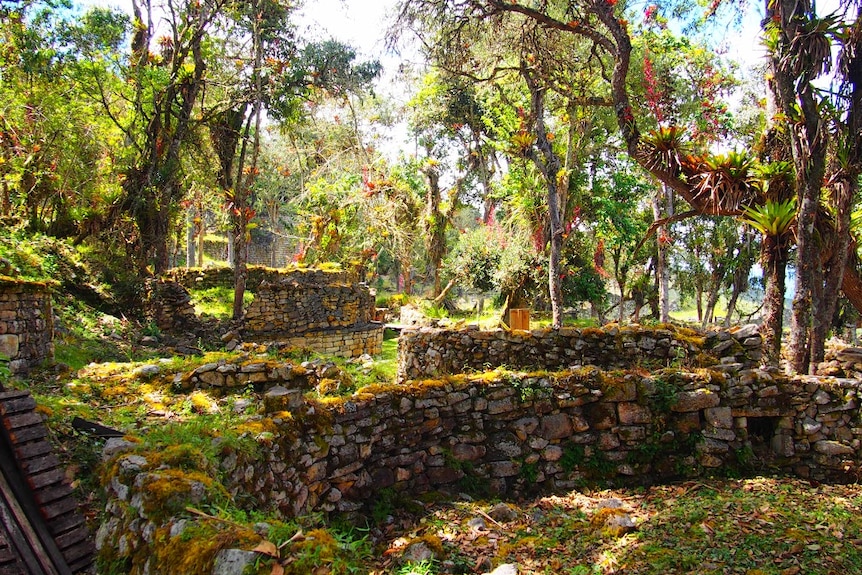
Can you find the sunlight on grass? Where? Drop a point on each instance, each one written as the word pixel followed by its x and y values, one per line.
pixel 217 301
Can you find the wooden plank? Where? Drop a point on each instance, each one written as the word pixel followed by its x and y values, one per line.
pixel 25 451
pixel 57 508
pixel 24 538
pixel 67 522
pixel 13 394
pixel 53 493
pixel 75 537
pixel 40 463
pixel 25 419
pixel 82 564
pixel 80 551
pixel 42 480
pixel 48 506
pixel 17 404
pixel 15 569
pixel 28 434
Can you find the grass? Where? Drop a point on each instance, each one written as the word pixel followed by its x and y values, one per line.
pixel 217 302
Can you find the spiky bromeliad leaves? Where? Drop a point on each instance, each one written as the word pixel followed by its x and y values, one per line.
pixel 724 181
pixel 665 148
pixel 773 219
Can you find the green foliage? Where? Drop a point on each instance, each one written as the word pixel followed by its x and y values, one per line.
pixel 664 395
pixel 475 259
pixel 529 472
pixel 573 457
pixel 426 567
pixel 772 218
pixel 5 372
pixel 217 301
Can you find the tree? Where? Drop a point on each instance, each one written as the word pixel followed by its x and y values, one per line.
pixel 800 46
pixel 542 93
pixel 55 173
pixel 448 118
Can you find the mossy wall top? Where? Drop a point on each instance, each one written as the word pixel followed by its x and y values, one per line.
pixel 429 352
pixel 26 324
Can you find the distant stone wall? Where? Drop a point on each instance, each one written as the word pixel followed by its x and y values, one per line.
pixel 316 309
pixel 350 342
pixel 321 310
pixel 169 305
pixel 26 324
pixel 430 352
pixel 205 278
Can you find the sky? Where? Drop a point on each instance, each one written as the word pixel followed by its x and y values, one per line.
pixel 361 23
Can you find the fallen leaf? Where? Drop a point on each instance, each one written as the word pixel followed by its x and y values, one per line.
pixel 277 569
pixel 266 548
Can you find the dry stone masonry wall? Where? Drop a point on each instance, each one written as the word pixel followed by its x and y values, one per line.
pixel 429 352
pixel 169 305
pixel 222 276
pixel 322 310
pixel 316 309
pixel 26 324
pixel 502 433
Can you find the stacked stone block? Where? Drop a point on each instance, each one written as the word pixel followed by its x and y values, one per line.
pixel 431 352
pixel 317 310
pixel 26 324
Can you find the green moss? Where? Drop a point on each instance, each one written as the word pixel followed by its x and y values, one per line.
pixel 194 550
pixel 168 492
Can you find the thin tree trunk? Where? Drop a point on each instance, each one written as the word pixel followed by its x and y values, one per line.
pixel 775 268
pixel 551 167
pixel 834 268
pixel 190 238
pixel 663 202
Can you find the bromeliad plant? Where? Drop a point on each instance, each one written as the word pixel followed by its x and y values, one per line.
pixel 725 181
pixel 665 148
pixel 773 219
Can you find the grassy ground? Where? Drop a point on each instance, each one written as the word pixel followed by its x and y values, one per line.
pixel 752 527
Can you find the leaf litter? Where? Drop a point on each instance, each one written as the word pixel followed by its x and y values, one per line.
pixel 760 526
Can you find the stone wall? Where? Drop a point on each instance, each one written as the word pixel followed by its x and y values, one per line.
pixel 429 352
pixel 169 305
pixel 326 311
pixel 501 434
pixel 316 309
pixel 222 276
pixel 26 324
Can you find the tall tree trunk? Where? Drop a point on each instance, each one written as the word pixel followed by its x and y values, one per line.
pixel 698 297
pixel 775 268
pixel 435 224
pixel 844 192
pixel 662 207
pixel 795 97
pixel 740 284
pixel 242 195
pixel 190 237
pixel 550 166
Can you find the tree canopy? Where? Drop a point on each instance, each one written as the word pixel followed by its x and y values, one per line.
pixel 558 154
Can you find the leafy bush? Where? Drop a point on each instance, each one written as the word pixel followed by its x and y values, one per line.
pixel 475 259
